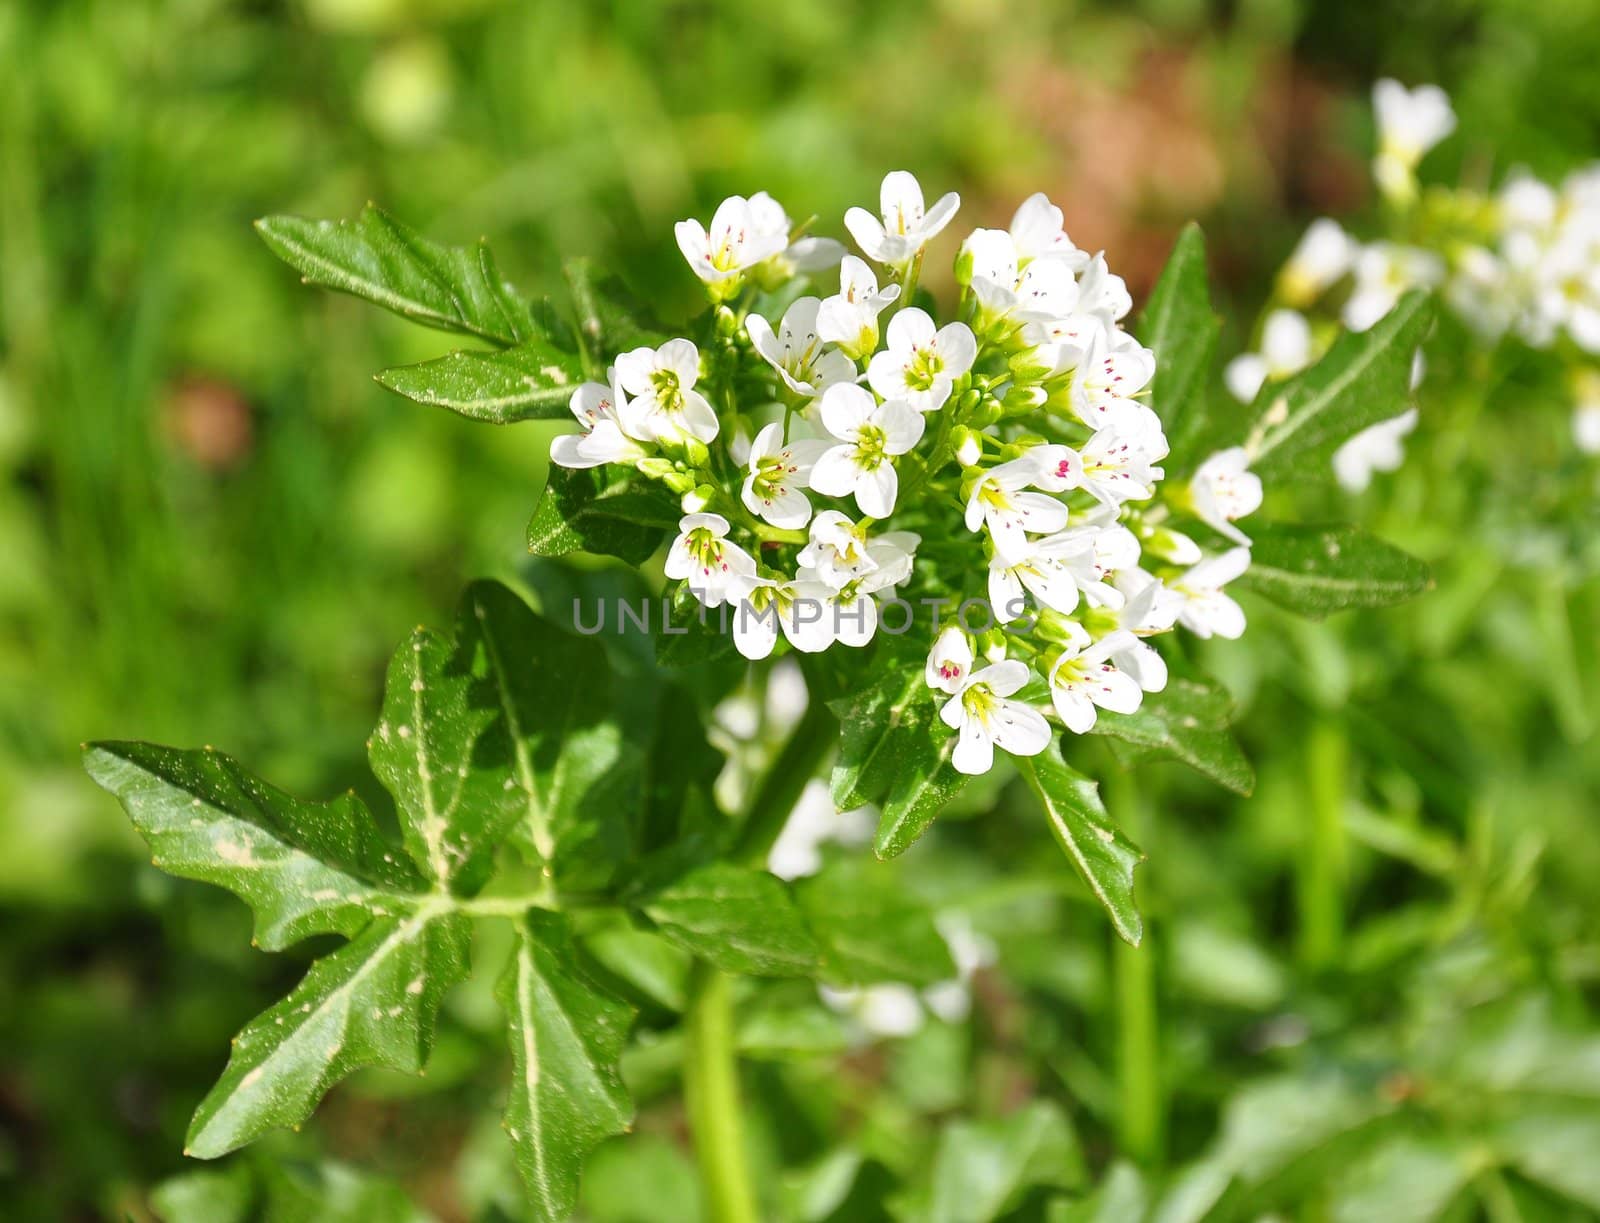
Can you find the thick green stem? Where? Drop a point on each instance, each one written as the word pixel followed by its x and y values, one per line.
pixel 711 1096
pixel 1141 1105
pixel 1322 863
pixel 780 786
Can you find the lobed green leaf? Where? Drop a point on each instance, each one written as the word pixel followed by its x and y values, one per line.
pixel 1102 855
pixel 1186 721
pixel 303 868
pixel 566 1037
pixel 1315 570
pixel 376 258
pixel 741 920
pixel 872 929
pixel 533 381
pixel 587 511
pixel 373 1002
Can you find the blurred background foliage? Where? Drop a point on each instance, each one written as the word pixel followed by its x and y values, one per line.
pixel 214 526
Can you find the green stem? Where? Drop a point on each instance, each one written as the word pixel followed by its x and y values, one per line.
pixel 1322 866
pixel 711 1097
pixel 781 784
pixel 1141 1107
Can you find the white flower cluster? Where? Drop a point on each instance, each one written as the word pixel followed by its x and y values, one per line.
pixel 871 417
pixel 1523 262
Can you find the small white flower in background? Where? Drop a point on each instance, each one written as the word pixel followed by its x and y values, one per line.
pixel 999 502
pixel 1586 412
pixel 1224 489
pixel 736 240
pixel 779 470
pixel 905 227
pixel 850 318
pixel 1324 255
pixel 1378 447
pixel 1085 679
pixel 1119 461
pixel 1410 122
pixel 1036 231
pixel 1383 271
pixel 920 362
pixel 949 662
pixel 1206 611
pixel 602 440
pixel 806 365
pixel 884 1011
pixel 984 717
pixel 951 1000
pixel 772 226
pixel 664 404
pixel 871 434
pixel 1285 351
pixel 718 570
pixel 813 823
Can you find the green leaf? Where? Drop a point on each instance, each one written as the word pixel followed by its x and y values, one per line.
pixel 303 868
pixel 1187 721
pixel 334 1193
pixel 373 1002
pixel 453 805
pixel 772 1032
pixel 1554 1145
pixel 587 511
pixel 1179 326
pixel 1102 855
pixel 1121 1197
pixel 566 1089
pixel 694 634
pixel 1315 570
pixel 1404 1177
pixel 573 775
pixel 533 381
pixel 982 1169
pixel 611 320
pixel 1364 378
pixel 743 921
pixel 894 751
pixel 223 1195
pixel 376 258
pixel 871 929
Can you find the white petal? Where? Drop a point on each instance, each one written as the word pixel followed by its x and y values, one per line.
pixel 876 490
pixel 940 215
pixel 835 472
pixel 682 358
pixel 902 426
pixel 910 329
pixel 844 408
pixel 1021 729
pixel 868 232
pixel 956 345
pixel 974 754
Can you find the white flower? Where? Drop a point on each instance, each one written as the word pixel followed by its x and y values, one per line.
pixel 949 662
pixel 796 607
pixel 1119 460
pixel 984 718
pixel 602 440
pixel 771 226
pixel 1376 448
pixel 1285 350
pixel 1224 489
pixel 779 471
pixel 871 434
pixel 886 1010
pixel 999 503
pixel 717 569
pixel 849 615
pixel 1093 552
pixel 840 552
pixel 850 318
pixel 813 823
pixel 905 228
pixel 1100 292
pixel 1383 271
pixel 1149 605
pixel 1586 411
pixel 1410 122
pixel 1323 256
pixel 1036 231
pixel 1049 570
pixel 1006 287
pixel 1206 611
pixel 1107 380
pixel 664 404
pixel 1085 679
pixel 740 237
pixel 920 363
pixel 797 352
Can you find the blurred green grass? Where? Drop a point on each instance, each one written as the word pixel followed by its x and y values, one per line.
pixel 214 526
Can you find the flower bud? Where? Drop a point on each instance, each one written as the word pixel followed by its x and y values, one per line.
pixel 1020 400
pixel 655 467
pixel 694 450
pixel 985 414
pixel 992 645
pixel 969 447
pixel 679 481
pixel 698 497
